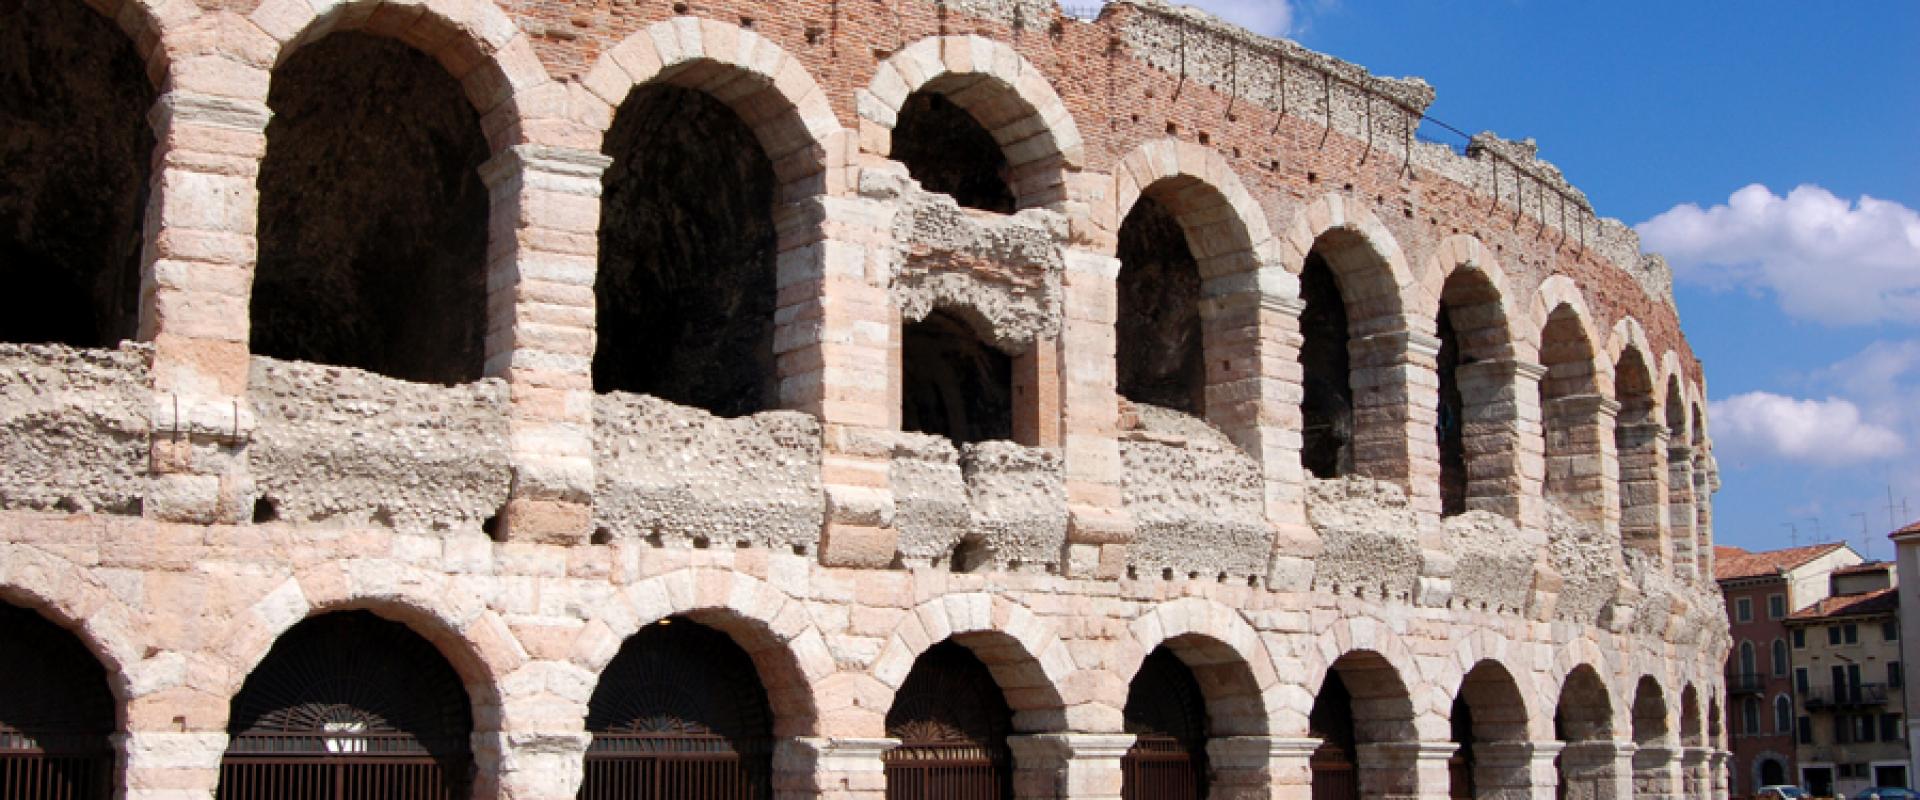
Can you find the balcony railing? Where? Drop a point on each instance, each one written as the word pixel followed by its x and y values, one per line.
pixel 1745 683
pixel 1850 696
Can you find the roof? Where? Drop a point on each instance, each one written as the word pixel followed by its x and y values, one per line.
pixel 1860 569
pixel 1733 563
pixel 1912 528
pixel 1878 601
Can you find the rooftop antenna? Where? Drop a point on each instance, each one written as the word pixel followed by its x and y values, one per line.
pixel 1892 522
pixel 1793 533
pixel 1866 539
pixel 1817 535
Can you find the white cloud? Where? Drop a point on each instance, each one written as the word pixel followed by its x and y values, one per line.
pixel 1828 432
pixel 1824 258
pixel 1268 17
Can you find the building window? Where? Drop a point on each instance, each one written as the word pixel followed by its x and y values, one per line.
pixel 1833 635
pixel 1779 658
pixel 1748 664
pixel 1805 729
pixel 1743 610
pixel 1799 638
pixel 1782 715
pixel 1851 633
pixel 1750 717
pixel 1800 680
pixel 1776 606
pixel 1890 630
pixel 1890 727
pixel 1896 676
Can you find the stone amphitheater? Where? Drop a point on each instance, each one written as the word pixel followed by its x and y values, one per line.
pixel 789 398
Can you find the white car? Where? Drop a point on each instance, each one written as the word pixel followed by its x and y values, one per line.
pixel 1780 793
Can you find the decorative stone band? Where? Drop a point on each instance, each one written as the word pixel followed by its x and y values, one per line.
pixel 1083 766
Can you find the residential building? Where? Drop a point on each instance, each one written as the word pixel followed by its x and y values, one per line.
pixel 1848 679
pixel 1762 589
pixel 1907 545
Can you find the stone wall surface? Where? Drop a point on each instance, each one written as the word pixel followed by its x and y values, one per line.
pixel 73 427
pixel 1195 499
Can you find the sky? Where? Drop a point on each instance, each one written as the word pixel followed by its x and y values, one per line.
pixel 1771 151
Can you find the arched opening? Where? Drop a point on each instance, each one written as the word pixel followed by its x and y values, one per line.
pixel 954 383
pixel 952 721
pixel 686 282
pixel 948 150
pixel 1569 405
pixel 1166 711
pixel 1680 519
pixel 363 122
pixel 1460 765
pixel 1636 442
pixel 1583 722
pixel 1750 716
pixel 1326 404
pixel 1362 702
pixel 1472 418
pixel 1782 715
pixel 1772 772
pixel 1489 723
pixel 679 712
pixel 1450 426
pixel 56 712
pixel 1749 663
pixel 1159 340
pixel 1654 759
pixel 1690 729
pixel 348 704
pixel 76 152
pixel 1780 658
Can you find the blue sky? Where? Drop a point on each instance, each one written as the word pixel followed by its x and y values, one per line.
pixel 1772 151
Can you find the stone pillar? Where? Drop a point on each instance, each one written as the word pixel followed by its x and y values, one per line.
pixel 834 336
pixel 1515 770
pixel 529 766
pixel 167 765
pixel 1719 783
pixel 196 287
pixel 542 257
pixel 1396 399
pixel 1696 776
pixel 1505 470
pixel 1599 769
pixel 1656 771
pixel 1098 527
pixel 1057 766
pixel 1642 450
pixel 1680 515
pixel 1703 488
pixel 1261 768
pixel 1405 770
pixel 809 767
pixel 1580 457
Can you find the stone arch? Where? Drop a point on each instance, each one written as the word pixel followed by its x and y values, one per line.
pixel 1559 298
pixel 153 25
pixel 1692 729
pixel 775 630
pixel 477 43
pixel 1225 654
pixel 1485 646
pixel 1652 715
pixel 1383 650
pixel 1009 96
pixel 1497 332
pixel 1481 456
pixel 772 91
pixel 1375 278
pixel 67 596
pixel 1032 666
pixel 1225 225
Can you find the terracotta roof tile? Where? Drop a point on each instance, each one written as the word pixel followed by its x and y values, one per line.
pixel 1730 563
pixel 1870 566
pixel 1878 601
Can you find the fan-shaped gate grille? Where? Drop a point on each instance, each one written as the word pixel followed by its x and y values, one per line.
pixel 55 712
pixel 1167 712
pixel 679 713
pixel 952 723
pixel 349 706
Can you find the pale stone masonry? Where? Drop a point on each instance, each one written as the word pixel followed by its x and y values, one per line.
pixel 180 501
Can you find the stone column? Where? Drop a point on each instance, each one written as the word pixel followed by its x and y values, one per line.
pixel 1600 769
pixel 1080 766
pixel 529 766
pixel 1696 776
pixel 809 767
pixel 1656 771
pixel 1703 488
pixel 1396 398
pixel 1642 450
pixel 167 765
pixel 196 287
pixel 1405 770
pixel 1515 770
pixel 1501 400
pixel 1261 768
pixel 834 336
pixel 1098 526
pixel 542 257
pixel 1719 783
pixel 1680 515
pixel 1580 458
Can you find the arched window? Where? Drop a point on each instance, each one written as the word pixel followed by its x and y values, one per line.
pixel 1782 715
pixel 1748 665
pixel 956 384
pixel 1780 658
pixel 947 149
pixel 1750 716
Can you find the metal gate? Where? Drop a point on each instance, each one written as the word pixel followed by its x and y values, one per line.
pixel 952 723
pixel 349 706
pixel 1162 768
pixel 55 713
pixel 679 713
pixel 1167 714
pixel 1334 775
pixel 1460 775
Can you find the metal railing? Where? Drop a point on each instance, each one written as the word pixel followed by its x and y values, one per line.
pixel 1162 768
pixel 658 766
pixel 1846 696
pixel 946 772
pixel 1746 683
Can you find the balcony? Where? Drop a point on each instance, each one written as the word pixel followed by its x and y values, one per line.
pixel 1739 683
pixel 1854 696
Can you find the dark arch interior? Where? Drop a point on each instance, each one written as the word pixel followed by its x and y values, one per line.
pixel 1326 405
pixel 373 217
pixel 1649 713
pixel 950 152
pixel 1633 387
pixel 1460 766
pixel 352 674
pixel 55 691
pixel 1583 713
pixel 1159 336
pixel 952 722
pixel 75 154
pixel 954 384
pixel 686 282
pixel 1166 711
pixel 1450 426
